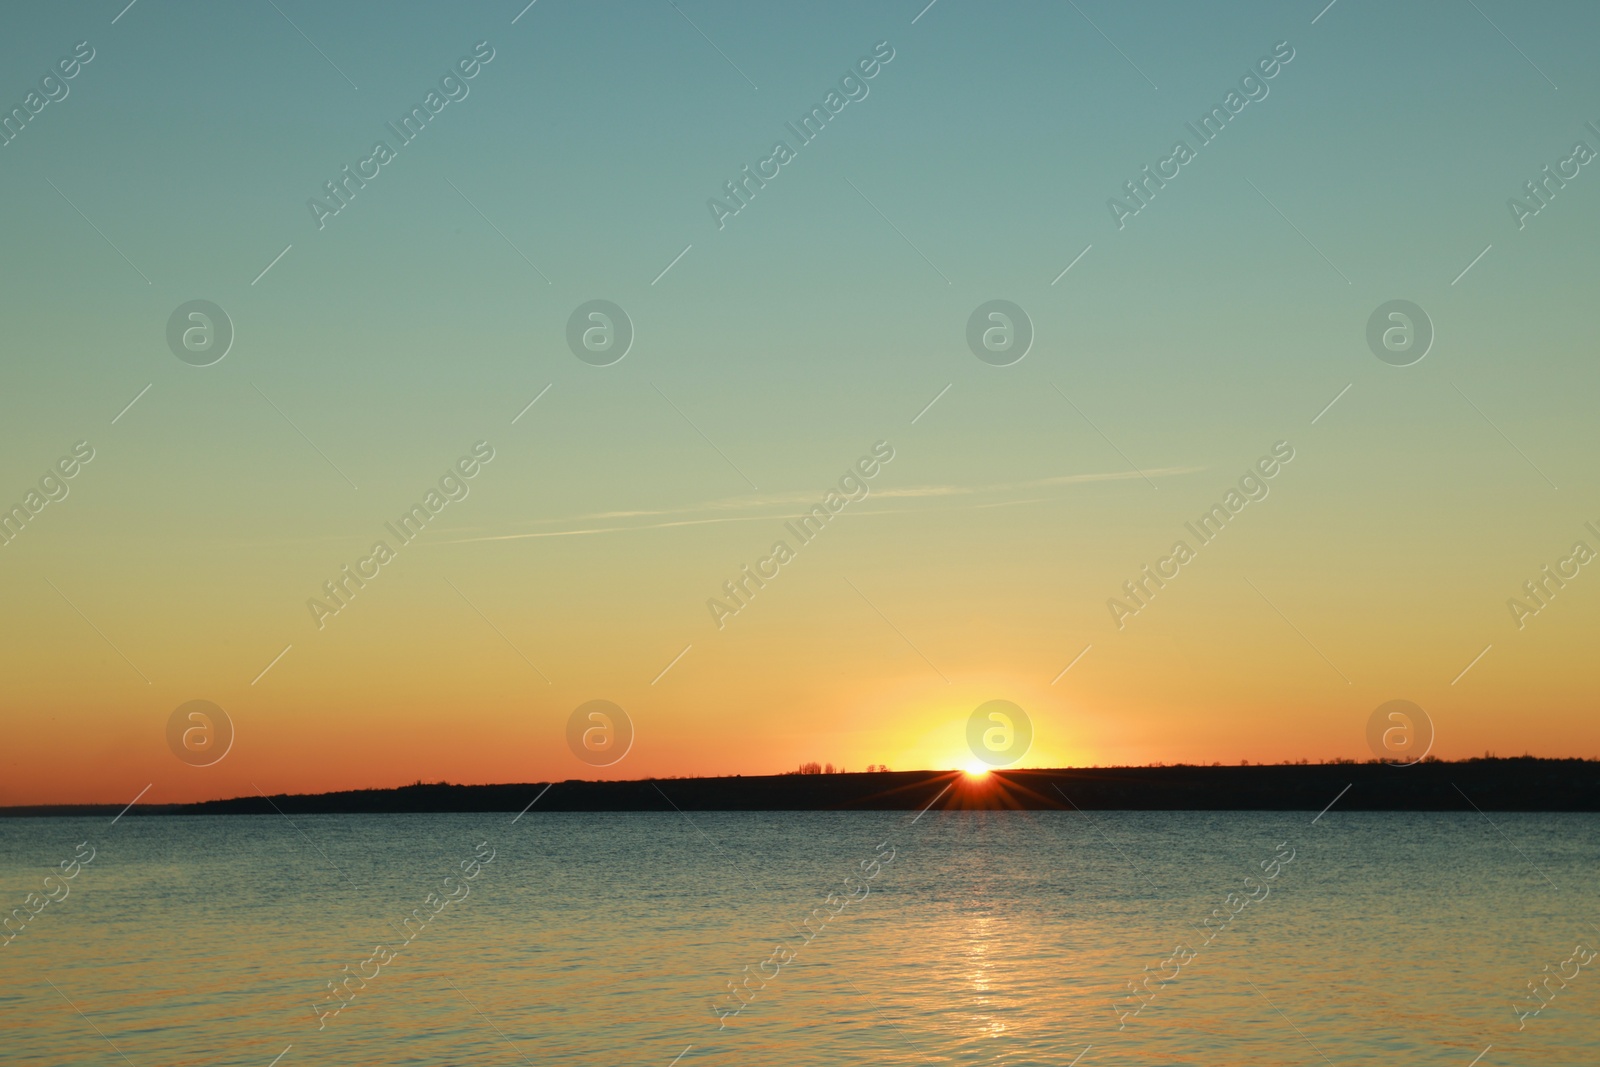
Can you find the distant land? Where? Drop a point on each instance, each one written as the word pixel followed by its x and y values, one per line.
pixel 1488 784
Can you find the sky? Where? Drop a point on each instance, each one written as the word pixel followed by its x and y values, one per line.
pixel 1173 349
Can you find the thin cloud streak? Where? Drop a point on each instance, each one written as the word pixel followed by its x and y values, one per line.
pixel 765 503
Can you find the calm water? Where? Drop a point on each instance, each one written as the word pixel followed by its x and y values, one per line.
pixel 989 938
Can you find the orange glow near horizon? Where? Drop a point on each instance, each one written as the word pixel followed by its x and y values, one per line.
pixel 347 711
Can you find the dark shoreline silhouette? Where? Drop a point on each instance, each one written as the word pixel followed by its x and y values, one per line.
pixel 1487 784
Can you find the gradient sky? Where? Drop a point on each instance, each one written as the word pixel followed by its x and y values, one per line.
pixel 823 318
